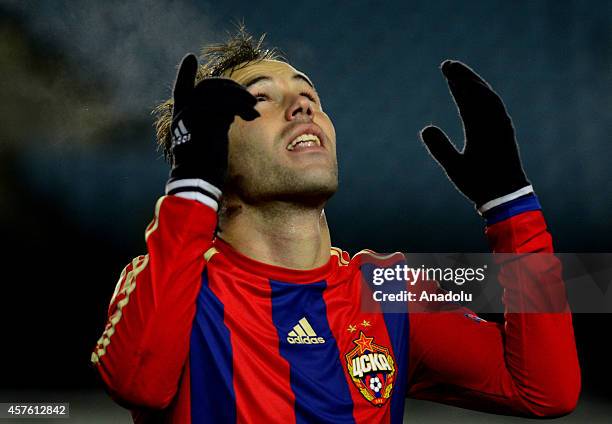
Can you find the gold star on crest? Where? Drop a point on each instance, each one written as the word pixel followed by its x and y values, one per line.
pixel 364 342
pixel 351 328
pixel 365 324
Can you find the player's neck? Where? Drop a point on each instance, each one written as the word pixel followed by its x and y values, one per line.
pixel 281 234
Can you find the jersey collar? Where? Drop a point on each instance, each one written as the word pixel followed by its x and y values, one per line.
pixel 274 272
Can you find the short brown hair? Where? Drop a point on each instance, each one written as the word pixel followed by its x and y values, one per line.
pixel 239 50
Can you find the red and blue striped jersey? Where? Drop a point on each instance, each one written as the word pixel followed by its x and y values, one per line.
pixel 199 333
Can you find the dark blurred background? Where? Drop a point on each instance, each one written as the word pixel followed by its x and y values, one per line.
pixel 79 173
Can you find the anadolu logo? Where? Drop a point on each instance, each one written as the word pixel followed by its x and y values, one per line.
pixel 303 333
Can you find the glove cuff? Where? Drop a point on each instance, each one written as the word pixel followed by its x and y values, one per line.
pixel 194 189
pixel 512 208
pixel 505 199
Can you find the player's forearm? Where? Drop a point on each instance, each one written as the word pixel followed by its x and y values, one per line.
pixel 142 351
pixel 539 346
pixel 528 366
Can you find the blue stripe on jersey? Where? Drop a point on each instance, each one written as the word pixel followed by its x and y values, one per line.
pixel 397 321
pixel 317 378
pixel 212 387
pixel 398 328
pixel 512 208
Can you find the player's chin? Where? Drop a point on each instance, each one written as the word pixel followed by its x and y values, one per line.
pixel 312 193
pixel 320 182
pixel 323 170
pixel 311 157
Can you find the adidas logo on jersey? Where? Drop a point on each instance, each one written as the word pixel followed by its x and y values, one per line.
pixel 303 333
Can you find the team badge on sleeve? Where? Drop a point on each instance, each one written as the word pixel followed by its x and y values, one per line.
pixel 372 369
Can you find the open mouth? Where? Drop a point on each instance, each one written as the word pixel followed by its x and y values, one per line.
pixel 304 141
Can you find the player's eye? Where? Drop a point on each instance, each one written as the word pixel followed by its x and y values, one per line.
pixel 261 97
pixel 308 95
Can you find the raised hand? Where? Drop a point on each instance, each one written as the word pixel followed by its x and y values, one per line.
pixel 201 119
pixel 489 167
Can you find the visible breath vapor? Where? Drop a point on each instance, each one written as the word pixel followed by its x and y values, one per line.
pixel 134 45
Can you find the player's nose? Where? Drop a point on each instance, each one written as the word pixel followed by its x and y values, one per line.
pixel 300 108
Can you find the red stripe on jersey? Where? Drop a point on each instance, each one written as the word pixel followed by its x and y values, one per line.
pixel 343 311
pixel 182 407
pixel 255 345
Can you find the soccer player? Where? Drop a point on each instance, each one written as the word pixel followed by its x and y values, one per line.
pixel 242 311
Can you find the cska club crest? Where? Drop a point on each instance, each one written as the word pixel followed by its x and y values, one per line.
pixel 372 369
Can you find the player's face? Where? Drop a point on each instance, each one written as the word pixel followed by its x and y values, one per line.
pixel 289 152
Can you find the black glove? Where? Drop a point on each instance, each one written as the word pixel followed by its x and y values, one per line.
pixel 201 119
pixel 489 166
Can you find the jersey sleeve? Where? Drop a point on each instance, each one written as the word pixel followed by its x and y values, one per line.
pixel 526 366
pixel 144 346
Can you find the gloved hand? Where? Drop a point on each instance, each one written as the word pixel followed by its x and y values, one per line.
pixel 489 167
pixel 201 119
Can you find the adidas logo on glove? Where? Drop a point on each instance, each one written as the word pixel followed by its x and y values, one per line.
pixel 181 134
pixel 303 333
